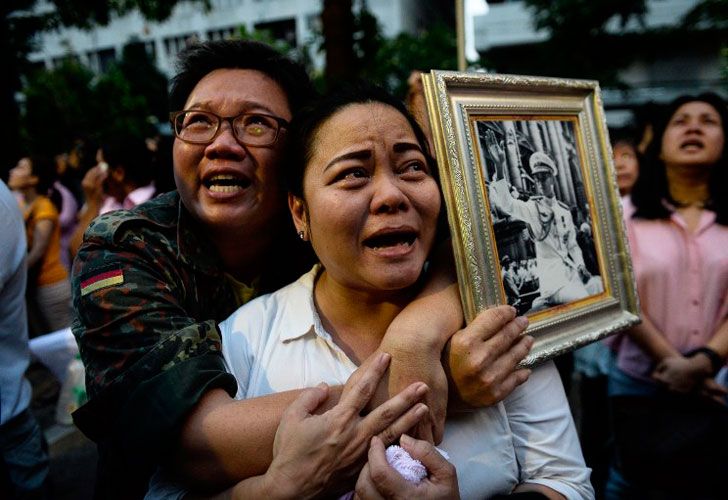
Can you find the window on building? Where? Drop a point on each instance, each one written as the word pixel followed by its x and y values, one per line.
pixel 106 58
pixel 58 61
pixel 223 33
pixel 151 50
pixel 175 44
pixel 284 30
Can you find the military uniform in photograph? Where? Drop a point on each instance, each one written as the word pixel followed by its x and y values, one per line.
pixel 553 232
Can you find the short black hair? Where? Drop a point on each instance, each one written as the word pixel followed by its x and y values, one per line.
pixel 202 58
pixel 44 168
pixel 133 155
pixel 651 189
pixel 624 135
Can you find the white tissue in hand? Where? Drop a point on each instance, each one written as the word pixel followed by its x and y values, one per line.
pixel 401 461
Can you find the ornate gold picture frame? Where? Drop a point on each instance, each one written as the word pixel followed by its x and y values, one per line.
pixel 536 219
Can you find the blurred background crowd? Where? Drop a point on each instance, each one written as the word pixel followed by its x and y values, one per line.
pixel 86 128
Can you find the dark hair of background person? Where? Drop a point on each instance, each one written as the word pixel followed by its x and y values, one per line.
pixel 651 189
pixel 624 135
pixel 308 121
pixel 44 168
pixel 630 136
pixel 200 59
pixel 133 154
pixel 162 164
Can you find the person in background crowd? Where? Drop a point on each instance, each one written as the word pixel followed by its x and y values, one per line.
pixel 593 362
pixel 122 178
pixel 162 163
pixel 23 451
pixel 627 165
pixel 670 418
pixel 510 281
pixel 151 285
pixel 417 105
pixel 67 217
pixel 48 287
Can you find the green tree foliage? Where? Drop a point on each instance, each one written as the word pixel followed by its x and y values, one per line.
pixel 68 103
pixel 24 19
pixel 57 107
pixel 435 48
pixel 144 79
pixel 388 62
pixel 579 43
pixel 581 18
pixel 583 41
pixel 300 53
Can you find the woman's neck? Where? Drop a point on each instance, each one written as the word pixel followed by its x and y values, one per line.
pixel 243 257
pixel 356 320
pixel 688 185
pixel 29 195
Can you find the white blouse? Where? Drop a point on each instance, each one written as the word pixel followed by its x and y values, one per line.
pixel 277 343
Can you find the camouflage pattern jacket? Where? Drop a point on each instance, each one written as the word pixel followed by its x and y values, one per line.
pixel 148 291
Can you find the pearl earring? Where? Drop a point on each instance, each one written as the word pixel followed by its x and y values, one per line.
pixel 302 235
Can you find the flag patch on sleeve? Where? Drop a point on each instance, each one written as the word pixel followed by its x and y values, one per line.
pixel 102 280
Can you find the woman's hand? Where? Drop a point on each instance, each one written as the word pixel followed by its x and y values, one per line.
pixel 713 390
pixel 682 374
pixel 310 451
pixel 481 359
pixel 380 481
pixel 93 186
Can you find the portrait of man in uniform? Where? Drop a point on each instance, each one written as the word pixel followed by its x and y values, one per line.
pixel 539 208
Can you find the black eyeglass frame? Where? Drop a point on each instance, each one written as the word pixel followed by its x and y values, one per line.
pixel 282 124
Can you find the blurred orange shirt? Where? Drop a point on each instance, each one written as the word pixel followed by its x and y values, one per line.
pixel 51 268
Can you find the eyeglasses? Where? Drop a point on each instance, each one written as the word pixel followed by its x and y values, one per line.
pixel 250 129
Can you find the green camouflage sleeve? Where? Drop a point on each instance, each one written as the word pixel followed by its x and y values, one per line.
pixel 138 339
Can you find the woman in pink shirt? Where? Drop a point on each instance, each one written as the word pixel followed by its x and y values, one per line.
pixel 670 418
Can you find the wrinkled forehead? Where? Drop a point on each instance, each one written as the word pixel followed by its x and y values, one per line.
pixel 364 121
pixel 239 90
pixel 696 108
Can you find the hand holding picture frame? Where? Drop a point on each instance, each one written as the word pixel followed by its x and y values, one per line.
pixel 535 215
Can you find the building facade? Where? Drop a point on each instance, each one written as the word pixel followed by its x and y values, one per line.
pixel 294 21
pixel 685 66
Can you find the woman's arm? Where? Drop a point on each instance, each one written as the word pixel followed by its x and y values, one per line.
pixel 539 488
pixel 544 437
pixel 685 373
pixel 651 340
pixel 480 359
pixel 93 190
pixel 41 239
pixel 312 447
pixel 719 341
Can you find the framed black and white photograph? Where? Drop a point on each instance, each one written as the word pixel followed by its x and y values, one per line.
pixel 528 180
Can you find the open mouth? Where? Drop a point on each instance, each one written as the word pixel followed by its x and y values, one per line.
pixel 226 183
pixel 692 144
pixel 389 240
